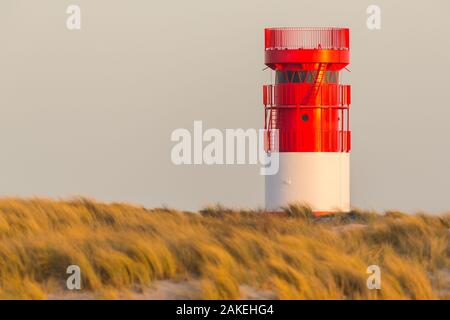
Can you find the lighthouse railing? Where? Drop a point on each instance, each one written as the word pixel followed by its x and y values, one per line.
pixel 290 94
pixel 307 38
pixel 297 140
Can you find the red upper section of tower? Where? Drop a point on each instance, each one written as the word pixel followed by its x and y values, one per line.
pixel 307 103
pixel 303 48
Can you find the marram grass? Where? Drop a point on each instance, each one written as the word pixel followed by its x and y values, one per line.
pixel 122 249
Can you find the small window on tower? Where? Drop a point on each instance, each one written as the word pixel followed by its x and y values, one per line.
pixel 305 117
pixel 281 77
pixel 295 78
pixel 310 76
pixel 302 75
pixel 331 77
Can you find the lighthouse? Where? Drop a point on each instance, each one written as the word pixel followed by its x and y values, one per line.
pixel 307 118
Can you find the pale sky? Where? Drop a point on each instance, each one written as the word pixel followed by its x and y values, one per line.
pixel 91 112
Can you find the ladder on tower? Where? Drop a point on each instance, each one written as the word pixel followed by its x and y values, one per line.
pixel 270 124
pixel 311 98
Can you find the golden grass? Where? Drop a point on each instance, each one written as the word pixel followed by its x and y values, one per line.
pixel 123 248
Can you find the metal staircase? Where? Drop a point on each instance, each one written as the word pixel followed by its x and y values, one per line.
pixel 311 97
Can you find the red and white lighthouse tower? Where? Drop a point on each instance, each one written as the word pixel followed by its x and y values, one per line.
pixel 309 107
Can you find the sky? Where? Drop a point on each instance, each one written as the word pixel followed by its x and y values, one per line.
pixel 91 112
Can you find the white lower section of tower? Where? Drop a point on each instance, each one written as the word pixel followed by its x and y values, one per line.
pixel 319 179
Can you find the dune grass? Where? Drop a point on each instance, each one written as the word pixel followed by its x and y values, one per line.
pixel 122 249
